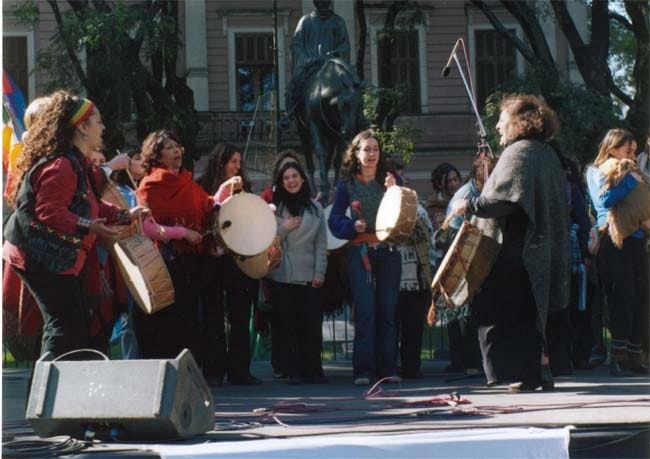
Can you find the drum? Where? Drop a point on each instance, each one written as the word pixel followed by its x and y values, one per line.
pixel 333 243
pixel 246 224
pixel 144 272
pixel 113 195
pixel 465 266
pixel 396 215
pixel 258 266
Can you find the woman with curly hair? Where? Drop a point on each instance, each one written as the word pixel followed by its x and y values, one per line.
pixel 523 202
pixel 374 268
pixel 182 212
pixel 228 287
pixel 50 238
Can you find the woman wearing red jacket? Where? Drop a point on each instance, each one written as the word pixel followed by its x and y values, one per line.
pixel 50 237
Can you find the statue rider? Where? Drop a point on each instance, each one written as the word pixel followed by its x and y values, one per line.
pixel 319 36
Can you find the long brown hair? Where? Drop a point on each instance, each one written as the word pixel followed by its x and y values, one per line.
pixel 351 165
pixel 215 173
pixel 615 138
pixel 49 135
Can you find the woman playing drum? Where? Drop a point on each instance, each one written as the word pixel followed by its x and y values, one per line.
pixel 374 268
pixel 50 238
pixel 223 279
pixel 182 211
pixel 525 199
pixel 295 284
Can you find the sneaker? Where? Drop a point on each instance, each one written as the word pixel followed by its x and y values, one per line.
pixel 362 381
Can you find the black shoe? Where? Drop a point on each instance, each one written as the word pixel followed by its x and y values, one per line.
pixel 249 380
pixel 521 387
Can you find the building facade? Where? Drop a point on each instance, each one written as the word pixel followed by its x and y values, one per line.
pixel 227 55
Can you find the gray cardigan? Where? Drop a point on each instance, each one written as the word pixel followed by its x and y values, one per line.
pixel 304 249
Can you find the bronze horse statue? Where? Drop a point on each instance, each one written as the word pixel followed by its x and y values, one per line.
pixel 329 116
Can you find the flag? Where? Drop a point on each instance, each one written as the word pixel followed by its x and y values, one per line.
pixel 13 102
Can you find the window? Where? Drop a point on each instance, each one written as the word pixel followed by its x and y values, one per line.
pixel 495 62
pixel 404 68
pixel 254 70
pixel 14 61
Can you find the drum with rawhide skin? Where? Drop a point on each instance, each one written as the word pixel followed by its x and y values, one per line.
pixel 396 215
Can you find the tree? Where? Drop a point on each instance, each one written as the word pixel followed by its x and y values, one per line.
pixel 592 55
pixel 131 52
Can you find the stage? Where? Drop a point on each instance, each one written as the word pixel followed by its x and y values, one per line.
pixel 590 414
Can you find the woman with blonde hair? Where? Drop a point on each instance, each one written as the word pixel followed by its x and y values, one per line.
pixel 623 271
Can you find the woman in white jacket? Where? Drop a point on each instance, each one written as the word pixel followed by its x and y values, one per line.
pixel 295 284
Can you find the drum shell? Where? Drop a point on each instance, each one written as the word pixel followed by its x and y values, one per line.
pixel 465 266
pixel 333 243
pixel 258 266
pixel 137 256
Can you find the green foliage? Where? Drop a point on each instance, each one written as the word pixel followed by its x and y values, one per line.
pixel 396 140
pixel 27 12
pixel 584 116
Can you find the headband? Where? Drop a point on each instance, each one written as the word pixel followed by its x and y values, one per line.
pixel 82 110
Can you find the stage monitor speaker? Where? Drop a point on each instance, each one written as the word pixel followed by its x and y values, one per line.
pixel 132 399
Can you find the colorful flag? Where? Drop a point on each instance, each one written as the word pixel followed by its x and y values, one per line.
pixel 14 102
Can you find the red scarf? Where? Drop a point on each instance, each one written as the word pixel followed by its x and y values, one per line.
pixel 175 199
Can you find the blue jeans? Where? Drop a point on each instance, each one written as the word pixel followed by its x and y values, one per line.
pixel 375 295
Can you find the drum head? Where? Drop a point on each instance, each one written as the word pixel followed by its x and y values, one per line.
pixel 246 224
pixel 333 242
pixel 396 214
pixel 255 267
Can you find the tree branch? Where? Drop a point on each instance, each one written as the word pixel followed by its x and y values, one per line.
pixel 621 20
pixel 618 92
pixel 76 65
pixel 522 47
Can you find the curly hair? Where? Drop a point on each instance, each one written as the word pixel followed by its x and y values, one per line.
pixel 351 165
pixel 153 145
pixel 615 138
pixel 529 116
pixel 49 135
pixel 215 173
pixel 295 203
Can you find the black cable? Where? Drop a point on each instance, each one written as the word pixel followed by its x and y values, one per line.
pixel 42 447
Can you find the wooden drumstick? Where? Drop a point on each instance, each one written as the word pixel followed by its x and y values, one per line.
pixel 128 172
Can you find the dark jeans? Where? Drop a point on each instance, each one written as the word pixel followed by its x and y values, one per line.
pixel 375 296
pixel 625 281
pixel 63 305
pixel 411 315
pixel 298 308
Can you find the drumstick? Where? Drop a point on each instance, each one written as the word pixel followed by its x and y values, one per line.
pixel 128 172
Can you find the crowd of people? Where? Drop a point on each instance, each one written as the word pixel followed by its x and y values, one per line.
pixel 535 316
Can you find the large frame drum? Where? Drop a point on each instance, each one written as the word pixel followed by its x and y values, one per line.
pixel 144 272
pixel 466 264
pixel 396 215
pixel 246 224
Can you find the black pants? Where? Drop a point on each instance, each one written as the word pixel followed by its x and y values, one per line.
pixel 298 308
pixel 463 343
pixel 624 275
pixel 505 313
pixel 164 334
pixel 62 302
pixel 227 292
pixel 411 315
